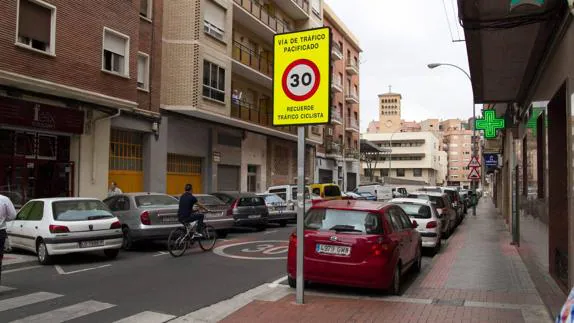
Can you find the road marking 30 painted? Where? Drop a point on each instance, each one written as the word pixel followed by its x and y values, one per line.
pixel 255 250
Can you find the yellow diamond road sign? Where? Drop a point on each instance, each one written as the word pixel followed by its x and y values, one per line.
pixel 301 77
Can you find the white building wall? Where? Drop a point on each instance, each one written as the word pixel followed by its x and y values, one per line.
pixel 254 152
pixel 92 174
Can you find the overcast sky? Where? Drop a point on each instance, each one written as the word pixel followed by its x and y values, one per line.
pixel 399 38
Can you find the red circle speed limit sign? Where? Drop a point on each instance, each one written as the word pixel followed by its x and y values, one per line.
pixel 301 80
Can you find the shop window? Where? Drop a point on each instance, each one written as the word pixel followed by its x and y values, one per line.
pixel 400 172
pixel 47 147
pixel 25 144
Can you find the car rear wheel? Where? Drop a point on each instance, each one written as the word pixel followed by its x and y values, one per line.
pixel 418 260
pixel 127 242
pixel 283 223
pixel 292 282
pixel 42 251
pixel 111 253
pixel 222 234
pixel 396 284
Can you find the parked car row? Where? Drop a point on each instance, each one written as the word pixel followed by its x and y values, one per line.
pixel 372 244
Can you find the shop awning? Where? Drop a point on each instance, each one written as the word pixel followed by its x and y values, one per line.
pixel 506 41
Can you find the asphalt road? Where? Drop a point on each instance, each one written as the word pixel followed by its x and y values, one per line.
pixel 91 288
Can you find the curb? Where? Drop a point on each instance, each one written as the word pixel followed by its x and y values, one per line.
pixel 21 264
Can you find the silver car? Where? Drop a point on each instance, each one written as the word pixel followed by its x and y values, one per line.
pixel 278 210
pixel 152 216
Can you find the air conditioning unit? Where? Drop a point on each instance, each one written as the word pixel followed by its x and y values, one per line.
pixel 212 30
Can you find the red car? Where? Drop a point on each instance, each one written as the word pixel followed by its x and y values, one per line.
pixel 357 243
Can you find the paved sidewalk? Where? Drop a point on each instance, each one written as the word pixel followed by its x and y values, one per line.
pixel 17 260
pixel 478 277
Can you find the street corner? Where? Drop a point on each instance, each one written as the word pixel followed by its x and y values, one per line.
pixel 255 250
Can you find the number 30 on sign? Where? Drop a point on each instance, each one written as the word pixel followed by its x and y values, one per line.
pixel 301 80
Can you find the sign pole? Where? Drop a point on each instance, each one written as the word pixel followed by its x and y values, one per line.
pixel 300 211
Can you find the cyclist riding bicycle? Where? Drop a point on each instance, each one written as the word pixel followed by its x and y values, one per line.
pixel 185 212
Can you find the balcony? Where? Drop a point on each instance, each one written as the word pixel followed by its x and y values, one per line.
pixel 352 125
pixel 337 84
pixel 251 113
pixel 296 9
pixel 252 66
pixel 336 116
pixel 255 17
pixel 351 97
pixel 352 153
pixel 352 67
pixel 336 52
pixel 332 147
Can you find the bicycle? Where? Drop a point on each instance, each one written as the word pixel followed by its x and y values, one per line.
pixel 182 238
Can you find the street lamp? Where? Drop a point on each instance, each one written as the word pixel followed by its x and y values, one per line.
pixel 474 143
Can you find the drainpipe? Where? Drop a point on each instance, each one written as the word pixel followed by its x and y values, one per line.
pixel 94 127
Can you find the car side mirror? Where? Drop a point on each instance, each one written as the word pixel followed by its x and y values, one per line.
pixel 415 225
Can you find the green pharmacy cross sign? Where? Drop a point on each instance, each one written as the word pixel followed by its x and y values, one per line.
pixel 489 123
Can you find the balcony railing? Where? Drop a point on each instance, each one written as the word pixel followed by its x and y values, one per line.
pixel 262 14
pixel 336 116
pixel 303 4
pixel 352 153
pixel 352 125
pixel 247 56
pixel 352 67
pixel 249 112
pixel 352 97
pixel 332 147
pixel 337 51
pixel 337 84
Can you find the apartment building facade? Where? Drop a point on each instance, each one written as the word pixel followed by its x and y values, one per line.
pixel 415 156
pixel 77 114
pixel 338 159
pixel 217 94
pixel 457 139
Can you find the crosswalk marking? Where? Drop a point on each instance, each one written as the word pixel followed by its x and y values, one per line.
pixel 66 313
pixel 147 317
pixel 20 301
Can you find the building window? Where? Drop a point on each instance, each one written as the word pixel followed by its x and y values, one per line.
pixel 213 81
pixel 316 7
pixel 214 20
pixel 126 150
pixel 146 8
pixel 116 52
pixel 400 172
pixel 143 71
pixel 417 172
pixel 36 25
pixel 384 172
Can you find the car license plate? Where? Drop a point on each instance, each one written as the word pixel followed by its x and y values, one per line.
pixel 169 220
pixel 256 216
pixel 90 244
pixel 333 250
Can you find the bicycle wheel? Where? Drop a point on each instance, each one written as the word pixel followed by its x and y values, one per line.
pixel 207 242
pixel 177 242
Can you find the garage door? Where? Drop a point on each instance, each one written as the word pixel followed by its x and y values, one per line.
pixel 183 170
pixel 325 176
pixel 228 178
pixel 126 160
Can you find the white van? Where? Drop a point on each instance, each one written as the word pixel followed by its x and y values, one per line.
pixel 289 194
pixel 383 193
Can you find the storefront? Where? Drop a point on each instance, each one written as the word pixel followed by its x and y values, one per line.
pixel 35 149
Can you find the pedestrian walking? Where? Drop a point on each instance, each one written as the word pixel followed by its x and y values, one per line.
pixel 114 189
pixel 7 213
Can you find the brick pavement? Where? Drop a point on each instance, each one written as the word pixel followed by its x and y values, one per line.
pixel 477 277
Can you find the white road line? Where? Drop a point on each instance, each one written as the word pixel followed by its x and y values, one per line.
pixel 62 272
pixel 276 283
pixel 67 313
pixel 19 269
pixel 20 301
pixel 147 317
pixel 5 288
pixel 271 232
pixel 161 253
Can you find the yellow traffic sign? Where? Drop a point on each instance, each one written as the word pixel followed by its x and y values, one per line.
pixel 301 78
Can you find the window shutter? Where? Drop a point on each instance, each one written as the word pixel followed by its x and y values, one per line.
pixel 142 60
pixel 35 21
pixel 115 44
pixel 214 14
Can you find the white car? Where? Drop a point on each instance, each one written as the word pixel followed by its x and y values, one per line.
pixel 57 226
pixel 428 220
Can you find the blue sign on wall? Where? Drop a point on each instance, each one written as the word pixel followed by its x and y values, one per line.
pixel 491 160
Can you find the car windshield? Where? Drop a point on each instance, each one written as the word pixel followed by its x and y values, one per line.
pixel 273 199
pixel 209 200
pixel 251 201
pixel 155 200
pixel 416 211
pixel 332 190
pixel 419 196
pixel 343 221
pixel 80 210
